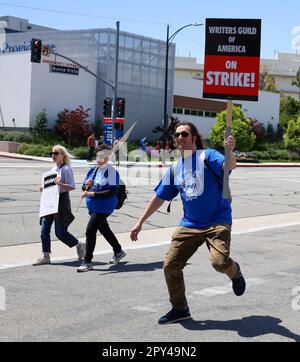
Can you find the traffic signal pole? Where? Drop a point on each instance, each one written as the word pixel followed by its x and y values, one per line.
pixel 115 88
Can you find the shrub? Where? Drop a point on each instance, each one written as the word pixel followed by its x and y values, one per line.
pixel 241 130
pixel 35 150
pixel 40 125
pixel 292 135
pixel 80 152
pixel 289 109
pixel 73 126
pixel 258 129
pixel 270 134
pixel 16 136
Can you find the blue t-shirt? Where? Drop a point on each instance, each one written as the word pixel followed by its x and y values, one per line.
pixel 200 191
pixel 106 178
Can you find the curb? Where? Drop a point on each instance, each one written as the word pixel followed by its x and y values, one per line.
pixel 131 164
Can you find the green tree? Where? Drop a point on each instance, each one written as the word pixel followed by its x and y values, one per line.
pixel 289 109
pixel 296 82
pixel 40 125
pixel 292 135
pixel 241 130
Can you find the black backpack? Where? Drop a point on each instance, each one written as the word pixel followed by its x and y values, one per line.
pixel 121 195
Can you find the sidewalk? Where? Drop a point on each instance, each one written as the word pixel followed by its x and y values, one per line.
pixel 140 164
pixel 22 255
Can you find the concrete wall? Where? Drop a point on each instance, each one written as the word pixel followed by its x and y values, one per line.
pixel 15 75
pixel 8 146
pixel 57 91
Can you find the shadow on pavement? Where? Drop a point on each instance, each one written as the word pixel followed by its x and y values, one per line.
pixel 127 268
pixel 248 327
pixel 76 263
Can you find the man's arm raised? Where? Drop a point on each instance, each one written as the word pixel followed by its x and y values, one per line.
pixel 154 204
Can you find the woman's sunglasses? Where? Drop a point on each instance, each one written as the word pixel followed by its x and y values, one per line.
pixel 184 134
pixel 55 153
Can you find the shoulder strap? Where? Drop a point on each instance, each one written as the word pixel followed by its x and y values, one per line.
pixel 95 173
pixel 172 173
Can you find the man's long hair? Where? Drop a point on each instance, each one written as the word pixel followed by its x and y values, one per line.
pixel 194 131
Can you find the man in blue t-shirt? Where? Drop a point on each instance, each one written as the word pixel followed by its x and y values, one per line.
pixel 198 177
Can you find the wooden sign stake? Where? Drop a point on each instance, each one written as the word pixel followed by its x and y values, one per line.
pixel 226 190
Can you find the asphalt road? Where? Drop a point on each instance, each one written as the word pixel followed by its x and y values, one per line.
pixel 123 302
pixel 256 192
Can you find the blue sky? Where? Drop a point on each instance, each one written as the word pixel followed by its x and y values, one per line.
pixel 150 17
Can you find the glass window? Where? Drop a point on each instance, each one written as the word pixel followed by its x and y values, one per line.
pixel 207 114
pixel 200 113
pixel 136 74
pixel 137 43
pixel 128 42
pixel 193 112
pixel 187 112
pixel 213 114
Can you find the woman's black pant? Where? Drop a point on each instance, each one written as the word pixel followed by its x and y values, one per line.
pixel 99 222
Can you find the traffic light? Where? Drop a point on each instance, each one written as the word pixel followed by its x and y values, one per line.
pixel 36 50
pixel 121 108
pixel 107 103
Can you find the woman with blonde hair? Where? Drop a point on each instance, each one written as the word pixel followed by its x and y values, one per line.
pixel 63 218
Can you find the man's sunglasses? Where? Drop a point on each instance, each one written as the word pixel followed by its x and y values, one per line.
pixel 55 153
pixel 184 134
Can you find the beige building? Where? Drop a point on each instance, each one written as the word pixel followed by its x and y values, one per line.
pixel 283 68
pixel 188 104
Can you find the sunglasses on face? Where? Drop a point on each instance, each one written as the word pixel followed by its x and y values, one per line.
pixel 184 134
pixel 55 153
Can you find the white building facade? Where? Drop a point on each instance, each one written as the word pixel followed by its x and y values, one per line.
pixel 29 87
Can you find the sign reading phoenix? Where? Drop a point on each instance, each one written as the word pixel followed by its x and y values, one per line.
pixel 232 59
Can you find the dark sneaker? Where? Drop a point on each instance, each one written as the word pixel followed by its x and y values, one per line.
pixel 175 316
pixel 239 283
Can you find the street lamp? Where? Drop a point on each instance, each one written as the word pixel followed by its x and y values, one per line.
pixel 168 43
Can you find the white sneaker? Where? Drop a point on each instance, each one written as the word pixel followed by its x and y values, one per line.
pixel 84 267
pixel 80 250
pixel 45 259
pixel 117 257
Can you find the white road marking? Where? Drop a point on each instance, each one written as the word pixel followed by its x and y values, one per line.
pixel 262 228
pixel 226 289
pixel 280 221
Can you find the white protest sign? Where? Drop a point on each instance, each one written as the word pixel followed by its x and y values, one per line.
pixel 50 194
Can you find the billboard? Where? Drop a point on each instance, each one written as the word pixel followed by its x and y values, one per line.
pixel 232 59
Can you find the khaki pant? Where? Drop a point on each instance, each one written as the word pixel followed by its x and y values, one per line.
pixel 185 242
